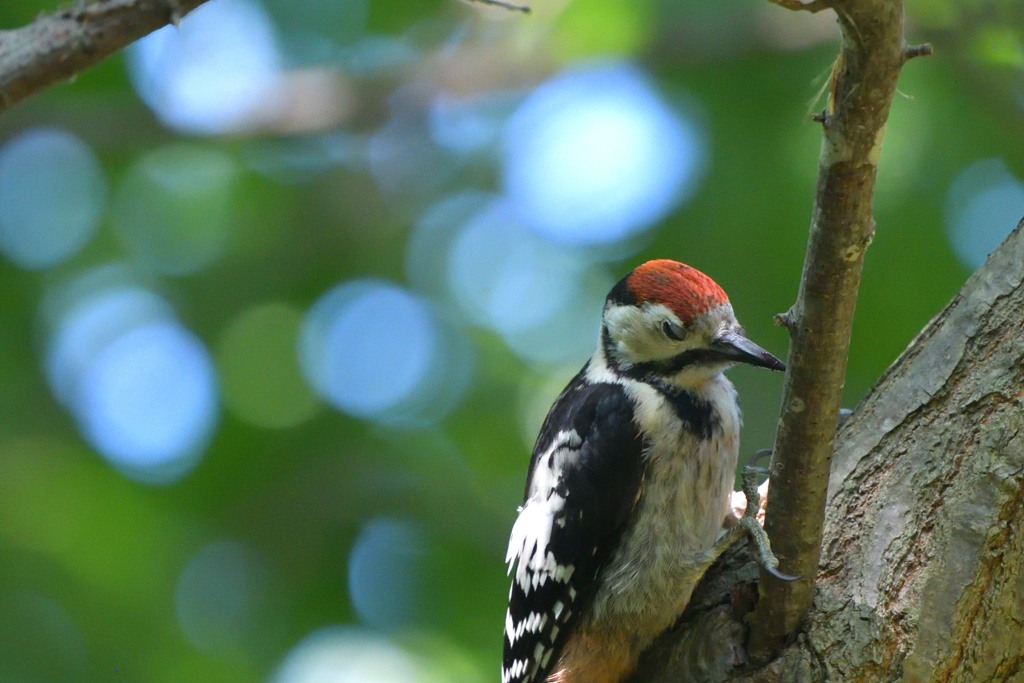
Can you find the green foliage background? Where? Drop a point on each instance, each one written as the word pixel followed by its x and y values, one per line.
pixel 90 560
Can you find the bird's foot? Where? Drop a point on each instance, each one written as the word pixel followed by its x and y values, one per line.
pixel 749 526
pixel 755 532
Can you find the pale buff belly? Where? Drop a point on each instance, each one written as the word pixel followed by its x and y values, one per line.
pixel 684 500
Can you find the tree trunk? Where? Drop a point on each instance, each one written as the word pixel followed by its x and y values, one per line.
pixel 922 570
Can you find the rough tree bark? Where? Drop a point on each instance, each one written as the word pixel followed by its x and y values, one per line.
pixel 56 47
pixel 922 571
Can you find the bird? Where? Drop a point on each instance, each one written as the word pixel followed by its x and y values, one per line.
pixel 629 482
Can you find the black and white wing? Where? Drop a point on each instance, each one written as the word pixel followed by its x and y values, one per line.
pixel 584 480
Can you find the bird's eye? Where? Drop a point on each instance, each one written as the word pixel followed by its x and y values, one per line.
pixel 672 331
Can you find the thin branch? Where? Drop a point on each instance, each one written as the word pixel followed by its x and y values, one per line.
pixel 860 92
pixel 511 6
pixel 56 47
pixel 799 6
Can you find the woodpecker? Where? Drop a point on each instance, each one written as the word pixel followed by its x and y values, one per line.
pixel 629 483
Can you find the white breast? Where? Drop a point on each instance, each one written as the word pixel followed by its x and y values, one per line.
pixel 679 515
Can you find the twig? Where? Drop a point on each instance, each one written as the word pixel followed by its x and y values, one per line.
pixel 525 9
pixel 861 88
pixel 798 6
pixel 922 50
pixel 56 47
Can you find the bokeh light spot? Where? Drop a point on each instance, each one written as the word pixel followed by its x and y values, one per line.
pixel 427 249
pixel 571 333
pixel 87 328
pixel 465 125
pixel 219 595
pixel 543 299
pixel 373 350
pixel 211 74
pixel 174 207
pixel 383 572
pixel 148 401
pixel 984 204
pixel 595 155
pixel 141 386
pixel 52 194
pixel 260 375
pixel 507 278
pixel 407 165
pixel 341 654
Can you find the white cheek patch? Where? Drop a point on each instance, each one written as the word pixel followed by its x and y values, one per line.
pixel 638 336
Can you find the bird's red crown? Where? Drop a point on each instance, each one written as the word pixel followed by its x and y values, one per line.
pixel 687 291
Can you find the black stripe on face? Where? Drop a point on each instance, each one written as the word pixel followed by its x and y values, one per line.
pixel 679 362
pixel 667 367
pixel 697 415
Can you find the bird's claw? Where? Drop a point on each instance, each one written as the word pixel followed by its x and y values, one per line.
pixel 748 526
pixel 755 532
pixel 757 457
pixel 781 576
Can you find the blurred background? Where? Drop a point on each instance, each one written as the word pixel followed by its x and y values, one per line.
pixel 285 293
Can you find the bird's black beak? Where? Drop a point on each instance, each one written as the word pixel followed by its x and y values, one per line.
pixel 734 346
